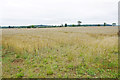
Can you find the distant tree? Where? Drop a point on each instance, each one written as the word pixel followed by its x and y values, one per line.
pixel 104 24
pixel 98 24
pixel 73 25
pixel 79 22
pixel 9 26
pixel 28 26
pixel 32 26
pixel 65 24
pixel 61 25
pixel 113 24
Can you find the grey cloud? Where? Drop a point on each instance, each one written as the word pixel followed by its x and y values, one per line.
pixel 24 12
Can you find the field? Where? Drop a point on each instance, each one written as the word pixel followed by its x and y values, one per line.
pixel 0 54
pixel 67 52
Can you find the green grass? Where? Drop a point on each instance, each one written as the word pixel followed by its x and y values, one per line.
pixel 0 60
pixel 60 53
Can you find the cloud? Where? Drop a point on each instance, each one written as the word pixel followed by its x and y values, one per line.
pixel 25 12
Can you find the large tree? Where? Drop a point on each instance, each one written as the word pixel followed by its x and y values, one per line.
pixel 79 22
pixel 65 24
pixel 104 24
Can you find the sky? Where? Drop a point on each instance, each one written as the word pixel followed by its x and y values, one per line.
pixel 55 12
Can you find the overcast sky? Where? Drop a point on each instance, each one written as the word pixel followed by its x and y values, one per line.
pixel 28 12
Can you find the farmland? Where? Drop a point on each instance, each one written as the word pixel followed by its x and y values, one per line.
pixel 67 52
pixel 0 53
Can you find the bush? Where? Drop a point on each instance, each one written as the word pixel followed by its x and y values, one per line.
pixel 20 75
pixel 49 72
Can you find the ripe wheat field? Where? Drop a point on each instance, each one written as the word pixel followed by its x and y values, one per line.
pixel 67 52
